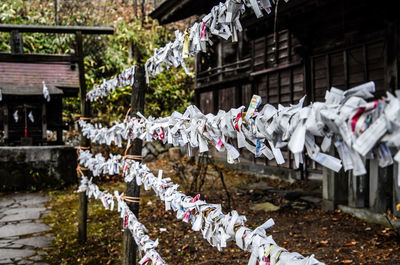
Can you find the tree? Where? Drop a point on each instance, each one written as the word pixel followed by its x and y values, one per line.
pixel 106 55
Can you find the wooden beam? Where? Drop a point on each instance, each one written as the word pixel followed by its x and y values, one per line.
pixel 55 29
pixel 209 86
pixel 34 58
pixel 277 68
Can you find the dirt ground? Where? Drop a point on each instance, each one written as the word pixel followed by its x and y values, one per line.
pixel 332 236
pixel 301 226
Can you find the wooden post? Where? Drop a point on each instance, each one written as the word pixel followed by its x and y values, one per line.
pixel 380 186
pixel 219 60
pixel 16 42
pixel 44 124
pixel 5 123
pixel 396 190
pixel 84 142
pixel 357 190
pixel 334 187
pixel 391 64
pixel 132 189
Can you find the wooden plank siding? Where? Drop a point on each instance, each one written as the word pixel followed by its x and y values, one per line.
pixel 334 43
pixel 348 68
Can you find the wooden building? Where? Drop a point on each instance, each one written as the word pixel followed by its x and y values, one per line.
pixel 310 46
pixel 25 114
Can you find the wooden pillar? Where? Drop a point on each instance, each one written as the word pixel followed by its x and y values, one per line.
pixel 132 189
pixel 365 65
pixel 197 67
pixel 197 98
pixel 307 74
pixel 396 189
pixel 44 124
pixel 276 48
pixel 219 61
pixel 266 63
pixel 357 190
pixel 253 55
pixel 60 136
pixel 84 142
pixel 289 47
pixel 346 68
pixel 391 64
pixel 391 57
pixel 379 180
pixel 215 99
pixel 197 61
pixel 311 91
pixel 239 95
pixel 16 42
pixel 5 123
pixel 334 187
pixel 328 72
pixel 239 53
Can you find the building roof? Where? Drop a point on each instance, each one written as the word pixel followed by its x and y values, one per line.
pixel 26 78
pixel 55 29
pixel 175 10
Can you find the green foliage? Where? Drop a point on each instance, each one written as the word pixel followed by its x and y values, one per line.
pixel 106 55
pixel 169 92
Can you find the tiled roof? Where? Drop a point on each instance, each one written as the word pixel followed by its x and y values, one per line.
pixel 26 78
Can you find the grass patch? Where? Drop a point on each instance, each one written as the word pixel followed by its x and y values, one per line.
pixel 104 235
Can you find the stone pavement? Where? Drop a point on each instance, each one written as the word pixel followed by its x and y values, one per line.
pixel 22 234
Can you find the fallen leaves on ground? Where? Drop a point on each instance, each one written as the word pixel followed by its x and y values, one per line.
pixel 334 237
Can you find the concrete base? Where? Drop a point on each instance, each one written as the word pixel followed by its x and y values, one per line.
pixel 36 167
pixel 368 215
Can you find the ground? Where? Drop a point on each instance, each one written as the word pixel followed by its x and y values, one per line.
pixel 334 237
pixel 23 237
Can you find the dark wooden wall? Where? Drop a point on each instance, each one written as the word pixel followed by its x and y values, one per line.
pixel 51 116
pixel 316 46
